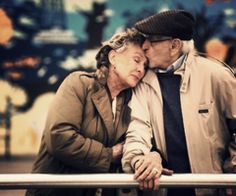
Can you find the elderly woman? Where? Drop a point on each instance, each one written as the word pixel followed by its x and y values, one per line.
pixel 89 116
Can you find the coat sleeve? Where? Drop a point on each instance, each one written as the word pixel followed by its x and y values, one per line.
pixel 227 95
pixel 139 133
pixel 63 127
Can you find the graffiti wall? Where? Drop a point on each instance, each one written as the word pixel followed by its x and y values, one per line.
pixel 42 41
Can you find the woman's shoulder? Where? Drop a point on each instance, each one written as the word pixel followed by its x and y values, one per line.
pixel 79 81
pixel 80 77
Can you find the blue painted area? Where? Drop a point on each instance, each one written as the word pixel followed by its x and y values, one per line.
pixel 77 24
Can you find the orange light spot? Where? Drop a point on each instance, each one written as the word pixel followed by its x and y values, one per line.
pixel 15 75
pixel 6 28
pixel 209 2
pixel 30 61
pixel 216 48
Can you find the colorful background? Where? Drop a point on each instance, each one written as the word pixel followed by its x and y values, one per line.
pixel 42 41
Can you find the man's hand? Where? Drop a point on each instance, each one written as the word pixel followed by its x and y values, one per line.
pixel 117 152
pixel 148 170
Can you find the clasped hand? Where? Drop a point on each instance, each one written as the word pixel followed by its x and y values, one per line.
pixel 148 170
pixel 117 152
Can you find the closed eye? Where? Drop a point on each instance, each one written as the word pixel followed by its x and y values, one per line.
pixel 137 60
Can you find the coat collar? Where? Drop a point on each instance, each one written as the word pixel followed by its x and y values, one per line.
pixel 123 114
pixel 184 70
pixel 102 100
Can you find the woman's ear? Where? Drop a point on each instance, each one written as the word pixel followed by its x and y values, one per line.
pixel 111 56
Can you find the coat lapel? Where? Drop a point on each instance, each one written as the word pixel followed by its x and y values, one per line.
pixel 123 122
pixel 103 106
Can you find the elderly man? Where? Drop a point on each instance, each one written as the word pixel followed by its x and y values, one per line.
pixel 183 111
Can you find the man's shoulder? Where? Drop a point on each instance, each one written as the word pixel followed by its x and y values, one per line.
pixel 147 83
pixel 210 65
pixel 148 78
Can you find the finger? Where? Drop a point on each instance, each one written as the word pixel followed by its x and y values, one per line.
pixel 156 184
pixel 168 172
pixel 138 163
pixel 141 169
pixel 229 192
pixel 141 185
pixel 136 167
pixel 145 184
pixel 150 184
pixel 145 173
pixel 153 173
pixel 120 147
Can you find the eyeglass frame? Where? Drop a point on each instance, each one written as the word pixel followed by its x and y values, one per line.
pixel 157 38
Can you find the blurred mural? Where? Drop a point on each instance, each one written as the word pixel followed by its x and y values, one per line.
pixel 42 41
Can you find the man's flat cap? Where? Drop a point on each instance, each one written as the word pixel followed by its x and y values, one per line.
pixel 172 23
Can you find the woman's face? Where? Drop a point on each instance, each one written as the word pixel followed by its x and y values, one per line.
pixel 130 65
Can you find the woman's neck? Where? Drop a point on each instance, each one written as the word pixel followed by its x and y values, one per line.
pixel 114 84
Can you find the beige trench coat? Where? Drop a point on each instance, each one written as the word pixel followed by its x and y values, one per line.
pixel 205 85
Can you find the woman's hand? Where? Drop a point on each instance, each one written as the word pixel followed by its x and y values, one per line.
pixel 117 152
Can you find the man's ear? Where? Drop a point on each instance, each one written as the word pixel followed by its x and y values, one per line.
pixel 111 56
pixel 176 46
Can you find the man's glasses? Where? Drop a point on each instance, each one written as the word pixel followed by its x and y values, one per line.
pixel 157 38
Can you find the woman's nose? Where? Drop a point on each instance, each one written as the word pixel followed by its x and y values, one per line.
pixel 141 69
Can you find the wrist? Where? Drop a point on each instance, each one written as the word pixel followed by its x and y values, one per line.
pixel 155 153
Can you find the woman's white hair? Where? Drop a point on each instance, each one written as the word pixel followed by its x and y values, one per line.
pixel 187 46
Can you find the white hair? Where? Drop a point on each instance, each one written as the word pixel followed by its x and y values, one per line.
pixel 187 46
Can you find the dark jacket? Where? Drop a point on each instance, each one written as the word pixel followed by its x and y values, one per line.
pixel 79 130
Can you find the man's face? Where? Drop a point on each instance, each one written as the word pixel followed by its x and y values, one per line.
pixel 158 53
